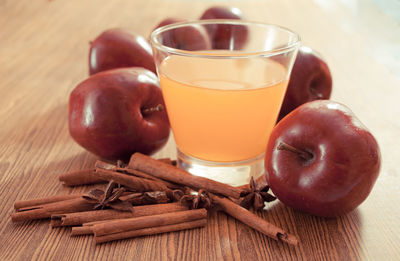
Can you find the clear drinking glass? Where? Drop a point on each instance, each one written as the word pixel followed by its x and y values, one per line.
pixel 223 83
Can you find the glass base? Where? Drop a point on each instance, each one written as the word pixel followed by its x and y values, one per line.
pixel 236 173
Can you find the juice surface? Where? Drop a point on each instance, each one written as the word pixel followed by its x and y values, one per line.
pixel 222 109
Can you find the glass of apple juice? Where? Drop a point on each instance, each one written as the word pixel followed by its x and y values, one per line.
pixel 223 83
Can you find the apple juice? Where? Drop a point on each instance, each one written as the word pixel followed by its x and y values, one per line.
pixel 222 109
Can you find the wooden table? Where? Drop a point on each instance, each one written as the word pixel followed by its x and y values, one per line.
pixel 43 56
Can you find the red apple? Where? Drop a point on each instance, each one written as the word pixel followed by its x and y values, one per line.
pixel 310 80
pixel 190 38
pixel 118 48
pixel 227 37
pixel 321 159
pixel 170 20
pixel 118 112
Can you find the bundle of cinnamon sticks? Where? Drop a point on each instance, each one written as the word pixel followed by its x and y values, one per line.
pixel 145 197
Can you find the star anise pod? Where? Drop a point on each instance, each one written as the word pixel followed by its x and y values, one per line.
pixel 108 198
pixel 256 196
pixel 177 194
pixel 196 200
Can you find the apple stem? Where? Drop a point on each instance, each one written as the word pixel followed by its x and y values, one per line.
pixel 301 153
pixel 150 110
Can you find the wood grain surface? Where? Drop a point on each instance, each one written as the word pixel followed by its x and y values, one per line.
pixel 43 56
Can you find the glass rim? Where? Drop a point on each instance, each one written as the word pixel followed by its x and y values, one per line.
pixel 245 54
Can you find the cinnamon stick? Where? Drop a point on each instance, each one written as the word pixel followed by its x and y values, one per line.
pixel 168 161
pixel 89 177
pixel 46 210
pixel 80 177
pixel 104 165
pixel 22 205
pixel 87 228
pixel 170 173
pixel 122 225
pixel 79 231
pixel 151 231
pixel 91 224
pixel 253 220
pixel 134 183
pixel 141 174
pixel 79 218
